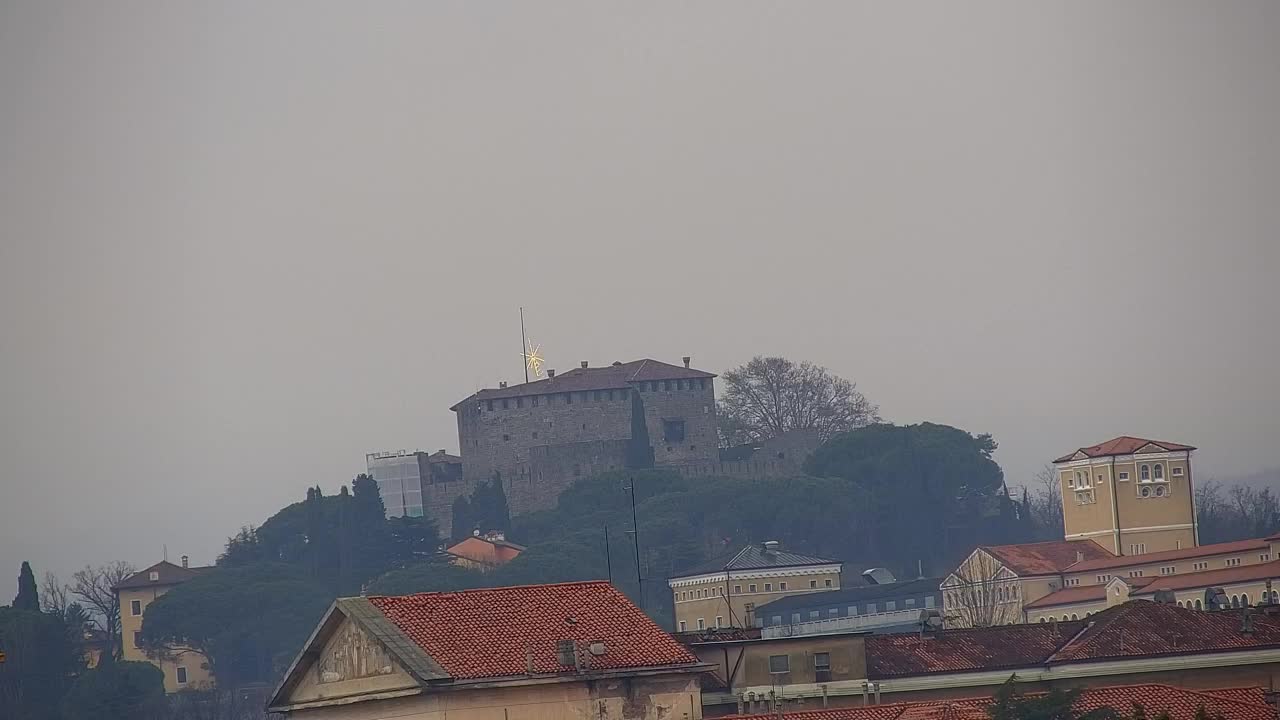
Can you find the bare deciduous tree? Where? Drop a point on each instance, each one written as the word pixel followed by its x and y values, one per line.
pixel 1044 502
pixel 771 395
pixel 95 586
pixel 979 594
pixel 1244 512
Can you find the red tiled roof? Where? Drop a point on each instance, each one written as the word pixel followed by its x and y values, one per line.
pixel 607 377
pixel 500 632
pixel 1179 703
pixel 1254 695
pixel 1183 554
pixel 1070 596
pixel 1123 445
pixel 1087 593
pixel 1140 628
pixel 1046 558
pixel 1211 578
pixel 971 650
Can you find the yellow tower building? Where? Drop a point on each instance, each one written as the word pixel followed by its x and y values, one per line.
pixel 1130 495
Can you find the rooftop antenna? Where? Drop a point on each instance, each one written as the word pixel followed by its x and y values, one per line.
pixel 164 550
pixel 524 346
pixel 608 557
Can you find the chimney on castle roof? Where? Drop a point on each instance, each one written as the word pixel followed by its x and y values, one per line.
pixel 551 372
pixel 185 560
pixel 686 361
pixel 502 383
pixel 584 363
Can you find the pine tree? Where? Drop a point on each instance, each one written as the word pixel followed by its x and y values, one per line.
pixel 28 598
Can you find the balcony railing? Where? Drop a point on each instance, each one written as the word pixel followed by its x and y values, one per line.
pixel 840 624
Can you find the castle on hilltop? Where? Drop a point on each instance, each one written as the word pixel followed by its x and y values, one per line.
pixel 538 437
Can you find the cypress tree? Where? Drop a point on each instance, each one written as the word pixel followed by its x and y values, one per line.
pixel 27 598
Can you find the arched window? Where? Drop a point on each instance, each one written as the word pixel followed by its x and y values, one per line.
pixel 1043 620
pixel 1275 597
pixel 1144 472
pixel 1179 603
pixel 1158 471
pixel 1244 599
pixel 1199 606
pixel 1074 616
pixel 1235 601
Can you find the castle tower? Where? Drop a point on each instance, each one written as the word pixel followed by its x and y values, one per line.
pixel 1131 496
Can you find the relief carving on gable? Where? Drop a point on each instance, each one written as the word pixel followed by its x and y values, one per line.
pixel 352 655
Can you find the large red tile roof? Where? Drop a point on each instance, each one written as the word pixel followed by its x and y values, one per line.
pixel 1183 554
pixel 1047 558
pixel 1138 628
pixel 968 650
pixel 512 631
pixel 1123 445
pixel 1179 703
pixel 1212 578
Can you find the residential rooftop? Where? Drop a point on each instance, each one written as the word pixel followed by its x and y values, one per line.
pixel 1226 548
pixel 166 574
pixel 1137 628
pixel 1123 445
pixel 1047 558
pixel 755 557
pixel 1239 703
pixel 851 595
pixel 513 631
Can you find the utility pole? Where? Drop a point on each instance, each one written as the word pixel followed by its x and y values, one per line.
pixel 636 540
pixel 608 556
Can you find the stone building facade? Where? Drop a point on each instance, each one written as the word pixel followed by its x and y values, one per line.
pixel 537 438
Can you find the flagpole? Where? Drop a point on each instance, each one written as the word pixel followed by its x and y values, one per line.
pixel 524 347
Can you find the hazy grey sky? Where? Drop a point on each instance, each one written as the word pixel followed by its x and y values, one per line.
pixel 243 243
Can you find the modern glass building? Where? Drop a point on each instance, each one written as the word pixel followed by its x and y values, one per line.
pixel 399 478
pixel 402 475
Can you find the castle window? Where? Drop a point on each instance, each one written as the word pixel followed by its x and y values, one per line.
pixel 1177 472
pixel 782 586
pixel 682 626
pixel 720 621
pixel 673 430
pixel 181 674
pixel 1145 492
pixel 768 587
pixel 1159 491
pixel 1144 473
pixel 666 385
pixel 1158 471
pixel 535 400
pixel 813 583
pixel 827 582
pixel 519 402
pixel 504 404
pixel 779 664
pixel 135 607
pixel 1124 476
pixel 535 434
pixel 813 614
pixel 871 608
pixel 751 587
pixel 737 588
pixel 488 405
pixel 890 605
pixel 1232 562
